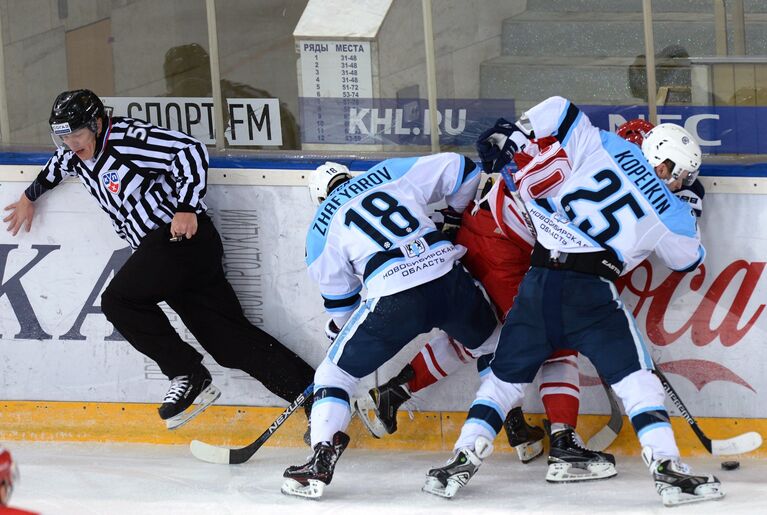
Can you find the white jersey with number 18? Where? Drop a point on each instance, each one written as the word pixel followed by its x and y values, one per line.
pixel 375 229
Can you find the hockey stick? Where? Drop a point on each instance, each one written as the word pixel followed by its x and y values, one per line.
pixel 224 455
pixel 519 203
pixel 607 435
pixel 740 444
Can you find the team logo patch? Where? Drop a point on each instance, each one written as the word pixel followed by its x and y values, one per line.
pixel 111 181
pixel 415 248
pixel 559 217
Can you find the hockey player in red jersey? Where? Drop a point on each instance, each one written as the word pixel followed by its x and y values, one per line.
pixel 9 477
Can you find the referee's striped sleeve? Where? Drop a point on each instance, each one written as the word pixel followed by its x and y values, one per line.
pixel 191 165
pixel 51 175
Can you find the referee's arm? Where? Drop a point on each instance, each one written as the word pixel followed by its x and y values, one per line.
pixel 23 210
pixel 190 169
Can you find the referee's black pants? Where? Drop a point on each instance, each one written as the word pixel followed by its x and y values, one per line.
pixel 189 276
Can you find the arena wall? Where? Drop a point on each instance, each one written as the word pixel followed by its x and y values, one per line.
pixel 65 374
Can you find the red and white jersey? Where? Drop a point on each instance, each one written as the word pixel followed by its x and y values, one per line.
pixel 543 170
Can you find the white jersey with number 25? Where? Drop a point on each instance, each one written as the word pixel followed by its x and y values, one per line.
pixel 612 199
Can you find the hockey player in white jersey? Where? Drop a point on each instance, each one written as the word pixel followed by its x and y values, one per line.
pixel 498 254
pixel 374 230
pixel 498 247
pixel 608 216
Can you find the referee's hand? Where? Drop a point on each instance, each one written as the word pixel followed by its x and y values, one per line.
pixel 183 225
pixel 21 214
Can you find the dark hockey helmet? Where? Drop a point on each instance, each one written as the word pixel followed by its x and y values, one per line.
pixel 73 110
pixel 185 58
pixel 635 131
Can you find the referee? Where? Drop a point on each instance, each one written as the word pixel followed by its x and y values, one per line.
pixel 151 182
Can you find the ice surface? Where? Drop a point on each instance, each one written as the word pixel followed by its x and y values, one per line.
pixel 132 479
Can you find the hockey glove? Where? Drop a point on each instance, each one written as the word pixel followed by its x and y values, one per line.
pixel 331 330
pixel 497 145
pixel 451 222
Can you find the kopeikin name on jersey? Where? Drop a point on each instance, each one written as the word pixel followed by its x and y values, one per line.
pixel 346 192
pixel 653 189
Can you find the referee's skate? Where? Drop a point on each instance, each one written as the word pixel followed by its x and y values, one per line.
pixel 188 396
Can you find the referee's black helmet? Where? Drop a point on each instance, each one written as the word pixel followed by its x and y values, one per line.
pixel 73 110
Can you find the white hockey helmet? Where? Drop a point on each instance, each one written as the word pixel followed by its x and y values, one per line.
pixel 325 179
pixel 672 142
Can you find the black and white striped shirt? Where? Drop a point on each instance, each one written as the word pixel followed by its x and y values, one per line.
pixel 142 175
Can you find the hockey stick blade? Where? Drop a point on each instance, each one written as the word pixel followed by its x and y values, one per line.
pixel 366 410
pixel 226 456
pixel 607 435
pixel 741 444
pixel 210 453
pixel 603 439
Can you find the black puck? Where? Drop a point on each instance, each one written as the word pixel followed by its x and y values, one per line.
pixel 730 465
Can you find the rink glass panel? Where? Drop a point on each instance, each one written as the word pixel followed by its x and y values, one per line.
pixel 113 48
pixel 493 58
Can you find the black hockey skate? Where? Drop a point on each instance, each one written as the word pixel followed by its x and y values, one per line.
pixel 183 391
pixel 378 410
pixel 446 481
pixel 570 460
pixel 676 485
pixel 309 480
pixel 527 440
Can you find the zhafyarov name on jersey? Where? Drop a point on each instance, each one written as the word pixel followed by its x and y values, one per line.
pixel 376 229
pixel 340 195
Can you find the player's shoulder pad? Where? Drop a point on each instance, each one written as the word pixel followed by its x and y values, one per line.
pixel 470 168
pixel 692 195
pixel 468 163
pixel 697 188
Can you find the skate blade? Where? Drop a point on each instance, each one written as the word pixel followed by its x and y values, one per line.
pixel 367 412
pixel 435 487
pixel 207 397
pixel 567 473
pixel 527 452
pixel 313 490
pixel 674 496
